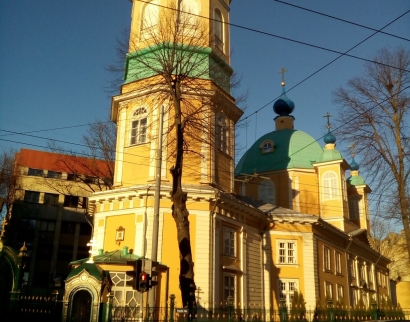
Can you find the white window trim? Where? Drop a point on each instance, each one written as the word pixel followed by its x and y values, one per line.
pixel 287 293
pixel 327 261
pixel 330 187
pixel 138 114
pixel 295 252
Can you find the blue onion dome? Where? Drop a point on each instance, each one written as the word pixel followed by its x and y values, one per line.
pixel 354 165
pixel 283 106
pixel 329 138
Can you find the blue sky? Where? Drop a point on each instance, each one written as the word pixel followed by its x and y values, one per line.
pixel 53 56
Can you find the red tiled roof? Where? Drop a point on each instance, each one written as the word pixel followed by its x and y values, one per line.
pixel 51 161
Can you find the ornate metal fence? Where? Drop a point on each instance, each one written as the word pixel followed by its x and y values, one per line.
pixel 39 308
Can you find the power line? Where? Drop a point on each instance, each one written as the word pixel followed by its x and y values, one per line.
pixel 340 19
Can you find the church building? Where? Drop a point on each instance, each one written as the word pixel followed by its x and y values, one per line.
pixel 286 218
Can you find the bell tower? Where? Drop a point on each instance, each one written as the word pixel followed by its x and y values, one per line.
pixel 181 46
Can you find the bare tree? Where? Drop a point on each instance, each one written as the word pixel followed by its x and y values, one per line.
pixel 8 185
pixel 93 168
pixel 373 115
pixel 172 57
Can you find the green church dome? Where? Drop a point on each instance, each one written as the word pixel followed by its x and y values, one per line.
pixel 278 150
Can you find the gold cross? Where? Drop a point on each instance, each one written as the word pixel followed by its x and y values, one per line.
pixel 328 115
pixel 283 71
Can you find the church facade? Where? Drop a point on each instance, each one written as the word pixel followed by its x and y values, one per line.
pixel 286 218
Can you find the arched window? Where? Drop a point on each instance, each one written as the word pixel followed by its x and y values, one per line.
pixel 329 184
pixel 221 133
pixel 266 190
pixel 218 26
pixel 189 12
pixel 150 17
pixel 354 206
pixel 138 133
pixel 267 146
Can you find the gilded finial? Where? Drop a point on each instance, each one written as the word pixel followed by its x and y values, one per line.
pixel 351 147
pixel 328 116
pixel 283 71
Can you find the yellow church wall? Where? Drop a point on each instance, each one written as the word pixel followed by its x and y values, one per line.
pixel 308 194
pixel 170 251
pixel 112 224
pixel 223 171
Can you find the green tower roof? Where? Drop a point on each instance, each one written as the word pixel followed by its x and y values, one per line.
pixel 292 149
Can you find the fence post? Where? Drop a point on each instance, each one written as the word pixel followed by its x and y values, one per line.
pixel 283 311
pixel 230 307
pixel 171 307
pixel 331 311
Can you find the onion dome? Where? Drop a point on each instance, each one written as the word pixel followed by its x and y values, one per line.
pixel 329 138
pixel 283 106
pixel 354 165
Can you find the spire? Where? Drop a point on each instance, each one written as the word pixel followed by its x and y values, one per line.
pixel 329 137
pixel 283 106
pixel 354 166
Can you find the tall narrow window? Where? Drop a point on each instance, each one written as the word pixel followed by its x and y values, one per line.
pixel 267 191
pixel 329 185
pixel 139 127
pixel 229 286
pixel 339 289
pixel 338 262
pixel 221 133
pixel 218 25
pixel 150 16
pixel 189 13
pixel 229 241
pixel 354 206
pixel 329 290
pixel 326 258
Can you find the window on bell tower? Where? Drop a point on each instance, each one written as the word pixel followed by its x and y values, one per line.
pixel 150 17
pixel 354 206
pixel 138 126
pixel 218 29
pixel 221 133
pixel 329 183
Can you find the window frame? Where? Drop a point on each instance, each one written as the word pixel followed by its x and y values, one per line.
pixel 327 259
pixel 339 292
pixel 285 253
pixel 328 289
pixel 35 172
pixel 222 133
pixel 355 211
pixel 31 196
pixel 338 263
pixel 330 186
pixel 219 29
pixel 138 130
pixel 228 288
pixel 229 241
pixel 267 146
pixel 267 191
pixel 51 199
pixel 285 291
